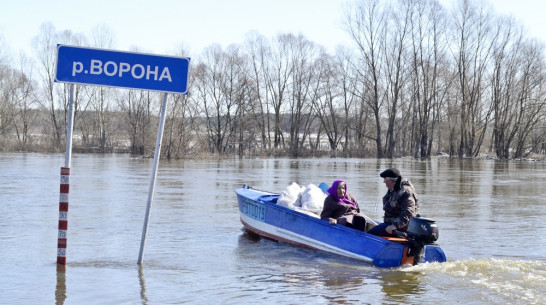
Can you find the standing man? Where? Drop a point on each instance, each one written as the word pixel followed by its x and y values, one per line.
pixel 399 204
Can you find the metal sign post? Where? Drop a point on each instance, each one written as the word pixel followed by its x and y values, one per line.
pixel 152 180
pixel 78 65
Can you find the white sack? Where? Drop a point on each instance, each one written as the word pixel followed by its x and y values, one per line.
pixel 312 199
pixel 290 197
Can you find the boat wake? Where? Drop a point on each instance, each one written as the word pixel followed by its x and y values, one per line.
pixel 497 280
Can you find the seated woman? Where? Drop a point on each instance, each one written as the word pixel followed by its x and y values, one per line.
pixel 341 207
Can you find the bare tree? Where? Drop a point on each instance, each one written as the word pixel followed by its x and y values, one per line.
pixel 138 110
pixel 236 86
pixel 366 25
pixel 24 100
pixel 355 117
pixel 517 90
pixel 277 82
pixel 396 66
pixel 101 98
pixel 220 84
pixel 180 122
pixel 336 106
pixel 258 52
pixel 504 81
pixel 325 105
pixel 44 45
pixel 473 27
pixel 304 88
pixel 8 85
pixel 54 98
pixel 429 56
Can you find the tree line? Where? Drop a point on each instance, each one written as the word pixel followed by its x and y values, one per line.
pixel 418 80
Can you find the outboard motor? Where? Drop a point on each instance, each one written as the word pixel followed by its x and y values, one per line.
pixel 423 229
pixel 420 232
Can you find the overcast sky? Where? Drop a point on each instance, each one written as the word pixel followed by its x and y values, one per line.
pixel 160 26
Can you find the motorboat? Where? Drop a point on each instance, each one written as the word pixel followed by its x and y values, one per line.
pixel 261 215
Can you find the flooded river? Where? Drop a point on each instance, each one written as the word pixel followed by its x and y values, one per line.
pixel 491 216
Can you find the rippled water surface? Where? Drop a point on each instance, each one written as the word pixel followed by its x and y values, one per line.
pixel 491 216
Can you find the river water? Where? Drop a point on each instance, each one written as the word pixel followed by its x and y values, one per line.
pixel 490 214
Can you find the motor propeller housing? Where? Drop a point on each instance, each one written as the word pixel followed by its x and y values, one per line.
pixel 423 229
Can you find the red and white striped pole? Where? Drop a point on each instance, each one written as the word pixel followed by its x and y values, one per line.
pixel 63 215
pixel 65 185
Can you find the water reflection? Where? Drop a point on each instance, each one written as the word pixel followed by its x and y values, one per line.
pixel 398 285
pixel 333 278
pixel 288 268
pixel 142 283
pixel 60 288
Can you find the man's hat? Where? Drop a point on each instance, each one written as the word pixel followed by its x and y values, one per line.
pixel 390 172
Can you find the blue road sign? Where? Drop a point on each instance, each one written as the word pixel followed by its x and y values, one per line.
pixel 122 69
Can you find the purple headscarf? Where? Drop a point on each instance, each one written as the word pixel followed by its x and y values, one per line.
pixel 333 191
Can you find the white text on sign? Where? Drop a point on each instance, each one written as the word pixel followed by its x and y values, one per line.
pixel 114 69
